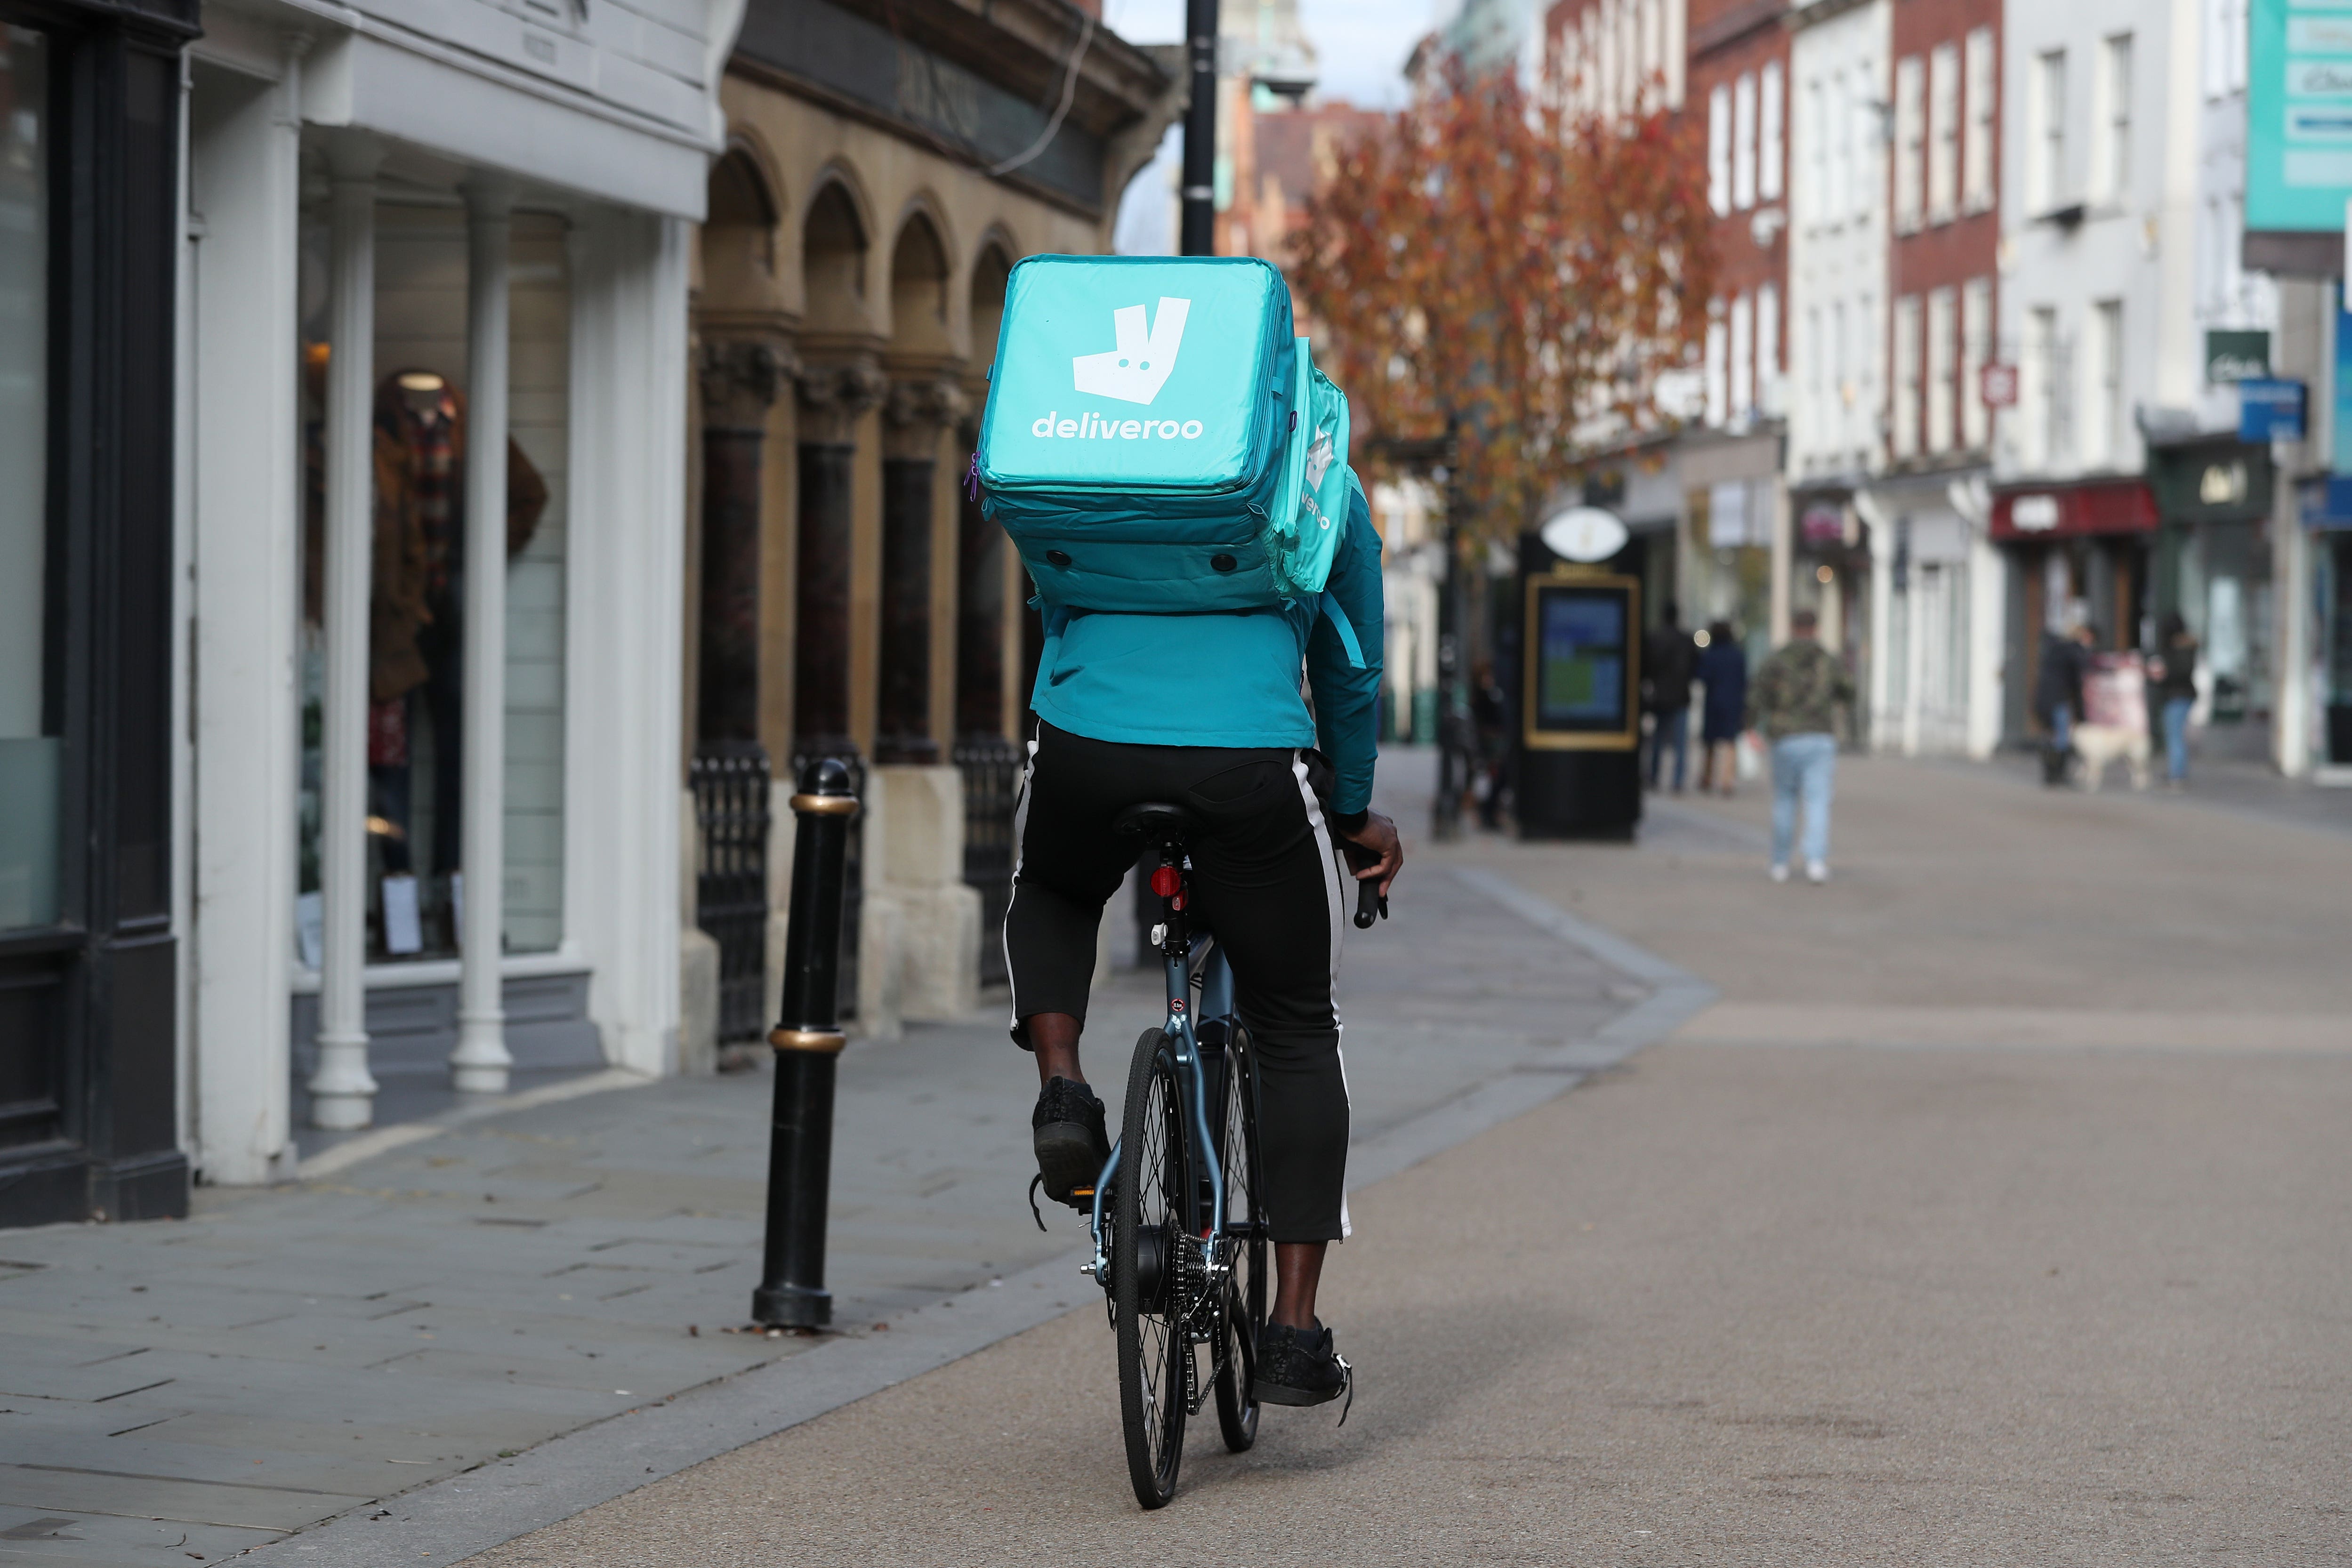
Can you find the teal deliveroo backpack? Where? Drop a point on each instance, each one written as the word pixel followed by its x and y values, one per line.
pixel 1156 440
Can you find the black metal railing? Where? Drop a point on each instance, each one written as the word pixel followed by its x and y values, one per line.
pixel 853 898
pixel 991 778
pixel 730 778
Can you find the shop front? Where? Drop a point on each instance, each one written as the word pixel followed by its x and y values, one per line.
pixel 1934 588
pixel 2212 566
pixel 437 469
pixel 2079 554
pixel 91 914
pixel 1733 535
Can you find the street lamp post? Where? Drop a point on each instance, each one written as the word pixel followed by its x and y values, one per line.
pixel 1198 231
pixel 1455 736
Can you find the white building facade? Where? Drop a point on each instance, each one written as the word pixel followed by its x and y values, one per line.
pixel 432 470
pixel 2122 492
pixel 1840 81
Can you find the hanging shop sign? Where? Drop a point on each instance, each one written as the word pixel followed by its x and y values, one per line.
pixel 2270 410
pixel 2212 482
pixel 2113 506
pixel 2235 356
pixel 2298 115
pixel 1997 383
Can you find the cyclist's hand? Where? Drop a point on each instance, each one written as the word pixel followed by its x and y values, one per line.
pixel 1380 836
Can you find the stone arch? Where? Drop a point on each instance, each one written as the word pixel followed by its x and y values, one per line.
pixel 739 235
pixel 920 274
pixel 835 234
pixel 991 265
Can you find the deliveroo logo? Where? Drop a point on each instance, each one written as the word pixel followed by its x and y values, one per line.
pixel 1138 367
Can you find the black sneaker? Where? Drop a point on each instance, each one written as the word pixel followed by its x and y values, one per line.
pixel 1071 1142
pixel 1300 1368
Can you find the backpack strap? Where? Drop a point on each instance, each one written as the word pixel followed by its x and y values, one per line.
pixel 1338 618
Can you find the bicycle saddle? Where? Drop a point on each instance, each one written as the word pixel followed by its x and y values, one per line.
pixel 1152 821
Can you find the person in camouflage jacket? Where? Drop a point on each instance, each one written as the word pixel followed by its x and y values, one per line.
pixel 1794 700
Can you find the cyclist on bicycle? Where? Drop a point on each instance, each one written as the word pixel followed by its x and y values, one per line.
pixel 1207 711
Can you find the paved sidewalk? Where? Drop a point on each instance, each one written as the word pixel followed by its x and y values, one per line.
pixel 188 1391
pixel 1890 1291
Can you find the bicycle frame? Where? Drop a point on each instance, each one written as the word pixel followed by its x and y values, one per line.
pixel 1200 984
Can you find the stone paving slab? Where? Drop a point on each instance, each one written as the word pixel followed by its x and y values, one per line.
pixel 419 1313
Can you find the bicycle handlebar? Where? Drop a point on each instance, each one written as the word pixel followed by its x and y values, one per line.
pixel 1370 905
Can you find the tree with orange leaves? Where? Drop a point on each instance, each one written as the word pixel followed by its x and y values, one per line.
pixel 1490 255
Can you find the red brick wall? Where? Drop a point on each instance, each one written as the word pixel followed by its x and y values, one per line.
pixel 1947 253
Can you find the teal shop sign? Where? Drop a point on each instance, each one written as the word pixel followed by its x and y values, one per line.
pixel 2299 115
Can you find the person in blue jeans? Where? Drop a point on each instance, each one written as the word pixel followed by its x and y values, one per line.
pixel 1795 701
pixel 2175 669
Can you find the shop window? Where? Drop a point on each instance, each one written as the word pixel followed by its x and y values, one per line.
pixel 31 739
pixel 416 674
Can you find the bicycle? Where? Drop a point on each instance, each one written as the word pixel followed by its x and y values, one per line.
pixel 1183 1258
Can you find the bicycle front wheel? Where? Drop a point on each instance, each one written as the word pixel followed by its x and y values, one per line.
pixel 1155 1375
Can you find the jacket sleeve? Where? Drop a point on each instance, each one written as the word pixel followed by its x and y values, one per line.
pixel 1348 698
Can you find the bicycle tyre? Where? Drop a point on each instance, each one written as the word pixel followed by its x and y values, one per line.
pixel 1155 1375
pixel 1238 1405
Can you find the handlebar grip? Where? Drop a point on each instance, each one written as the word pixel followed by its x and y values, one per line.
pixel 1370 905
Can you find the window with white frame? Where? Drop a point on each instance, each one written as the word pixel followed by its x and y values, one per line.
pixel 1841 140
pixel 1768 398
pixel 1743 357
pixel 1816 141
pixel 1718 148
pixel 2112 156
pixel 1982 100
pixel 1937 401
pixel 1975 353
pixel 1771 114
pixel 1841 388
pixel 1743 143
pixel 2225 48
pixel 1816 377
pixel 2104 419
pixel 2045 399
pixel 1718 350
pixel 1906 375
pixel 1910 140
pixel 1861 433
pixel 2046 182
pixel 1943 132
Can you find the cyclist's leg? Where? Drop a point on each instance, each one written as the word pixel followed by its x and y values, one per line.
pixel 1267 883
pixel 1068 862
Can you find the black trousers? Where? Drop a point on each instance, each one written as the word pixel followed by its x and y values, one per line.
pixel 1264 879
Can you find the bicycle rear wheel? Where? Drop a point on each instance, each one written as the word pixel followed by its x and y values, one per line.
pixel 1245 1212
pixel 1155 1376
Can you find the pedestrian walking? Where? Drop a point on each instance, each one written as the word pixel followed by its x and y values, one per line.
pixel 1667 664
pixel 2175 669
pixel 2058 694
pixel 1795 700
pixel 1722 672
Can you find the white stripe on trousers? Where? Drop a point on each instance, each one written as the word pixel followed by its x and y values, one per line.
pixel 1336 902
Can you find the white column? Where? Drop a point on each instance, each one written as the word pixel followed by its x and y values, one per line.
pixel 2291 705
pixel 481 1062
pixel 343 1093
pixel 242 482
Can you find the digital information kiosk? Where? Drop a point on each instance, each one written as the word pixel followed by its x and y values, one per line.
pixel 1580 711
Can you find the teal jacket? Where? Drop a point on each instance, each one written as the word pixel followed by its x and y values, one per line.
pixel 1233 679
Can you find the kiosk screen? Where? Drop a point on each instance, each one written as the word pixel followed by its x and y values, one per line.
pixel 1581 684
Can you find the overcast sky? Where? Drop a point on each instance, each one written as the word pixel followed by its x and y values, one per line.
pixel 1359 47
pixel 1361 44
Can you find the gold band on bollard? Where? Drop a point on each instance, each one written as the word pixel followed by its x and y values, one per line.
pixel 826 1041
pixel 825 805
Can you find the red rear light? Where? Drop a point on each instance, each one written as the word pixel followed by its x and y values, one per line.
pixel 1166 881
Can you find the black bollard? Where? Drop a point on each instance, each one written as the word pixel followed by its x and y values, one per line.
pixel 807 1038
